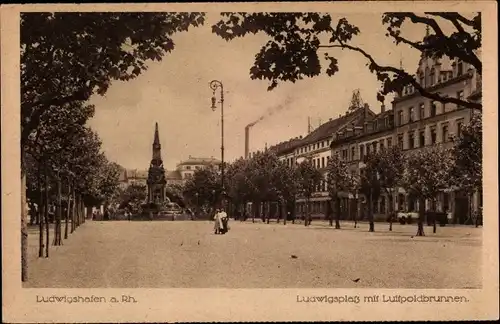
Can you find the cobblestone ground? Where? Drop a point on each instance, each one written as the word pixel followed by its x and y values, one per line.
pixel 163 254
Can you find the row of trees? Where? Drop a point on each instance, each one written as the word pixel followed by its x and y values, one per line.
pixel 67 57
pixel 66 171
pixel 423 174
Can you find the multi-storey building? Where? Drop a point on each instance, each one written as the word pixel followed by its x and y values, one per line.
pixel 185 169
pixel 421 122
pixel 413 123
pixel 316 148
pixel 352 145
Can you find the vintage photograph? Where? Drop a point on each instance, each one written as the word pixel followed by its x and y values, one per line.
pixel 251 150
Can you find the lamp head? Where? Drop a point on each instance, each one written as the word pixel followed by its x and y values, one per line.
pixel 214 100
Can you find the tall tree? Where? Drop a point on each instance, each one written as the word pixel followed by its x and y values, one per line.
pixel 297 40
pixel 467 153
pixel 309 180
pixel 370 185
pixel 205 183
pixel 426 173
pixel 389 164
pixel 339 180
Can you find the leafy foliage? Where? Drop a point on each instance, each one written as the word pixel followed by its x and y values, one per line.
pixel 296 39
pixel 339 177
pixel 427 172
pixel 309 178
pixel 467 153
pixel 133 196
pixel 204 186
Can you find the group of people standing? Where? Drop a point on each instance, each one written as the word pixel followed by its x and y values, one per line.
pixel 221 220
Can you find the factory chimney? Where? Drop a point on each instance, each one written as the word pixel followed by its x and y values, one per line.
pixel 247 141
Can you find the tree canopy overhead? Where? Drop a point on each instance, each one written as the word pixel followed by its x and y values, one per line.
pixel 296 41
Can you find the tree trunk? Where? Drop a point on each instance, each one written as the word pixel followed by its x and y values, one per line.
pixel 330 211
pixel 39 213
pixel 254 210
pixel 370 213
pixel 421 217
pixel 46 212
pixel 337 213
pixel 285 211
pixel 57 225
pixel 434 221
pixel 68 208
pixel 390 208
pixel 73 209
pixel 268 211
pixel 306 216
pixel 24 221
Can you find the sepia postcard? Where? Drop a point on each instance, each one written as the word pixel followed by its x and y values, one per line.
pixel 287 161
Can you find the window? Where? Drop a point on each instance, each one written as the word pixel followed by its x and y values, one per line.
pixel 344 154
pixel 432 77
pixel 433 109
pixel 421 139
pixel 361 152
pixel 422 80
pixel 460 96
pixel 381 145
pixel 433 135
pixel 422 111
pixel 400 117
pixel 460 69
pixel 188 167
pixel 444 132
pixel 374 147
pixel 412 117
pixel 460 123
pixel 367 149
pixel 353 153
pixel 400 141
pixel 389 142
pixel 411 140
pixel 323 162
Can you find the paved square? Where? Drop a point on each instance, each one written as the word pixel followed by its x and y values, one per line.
pixel 164 254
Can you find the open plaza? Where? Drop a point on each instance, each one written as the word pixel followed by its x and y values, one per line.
pixel 187 254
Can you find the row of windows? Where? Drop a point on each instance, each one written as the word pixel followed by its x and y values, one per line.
pixel 431 140
pixel 365 149
pixel 421 111
pixel 314 146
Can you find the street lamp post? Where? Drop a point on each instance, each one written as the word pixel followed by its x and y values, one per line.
pixel 214 85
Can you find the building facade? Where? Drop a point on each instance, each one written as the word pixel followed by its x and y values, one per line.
pixel 315 147
pixel 186 169
pixel 352 146
pixel 421 122
pixel 414 123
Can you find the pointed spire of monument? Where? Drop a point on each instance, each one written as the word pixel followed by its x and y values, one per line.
pixel 157 136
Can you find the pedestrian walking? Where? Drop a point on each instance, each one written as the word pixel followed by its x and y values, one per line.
pixel 224 220
pixel 217 222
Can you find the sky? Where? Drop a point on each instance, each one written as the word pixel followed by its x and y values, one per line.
pixel 175 93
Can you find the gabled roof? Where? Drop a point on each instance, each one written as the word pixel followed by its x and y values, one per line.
pixel 331 127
